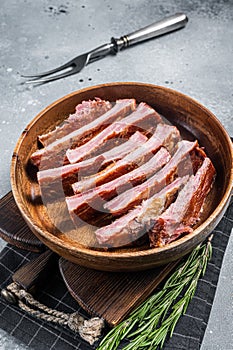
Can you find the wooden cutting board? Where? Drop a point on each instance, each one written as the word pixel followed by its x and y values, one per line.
pixel 111 295
pixel 13 228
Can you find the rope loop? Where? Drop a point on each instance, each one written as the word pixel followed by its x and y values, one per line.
pixel 90 330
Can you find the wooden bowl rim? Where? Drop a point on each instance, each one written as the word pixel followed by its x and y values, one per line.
pixel 107 254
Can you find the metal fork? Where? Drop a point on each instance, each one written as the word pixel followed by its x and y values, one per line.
pixel 75 65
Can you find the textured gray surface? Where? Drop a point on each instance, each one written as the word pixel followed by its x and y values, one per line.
pixel 38 35
pixel 219 331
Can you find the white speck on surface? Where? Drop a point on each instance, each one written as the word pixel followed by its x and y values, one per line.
pixel 23 109
pixel 33 102
pixel 9 70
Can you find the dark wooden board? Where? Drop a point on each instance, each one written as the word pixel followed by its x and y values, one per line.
pixel 36 273
pixel 111 295
pixel 13 228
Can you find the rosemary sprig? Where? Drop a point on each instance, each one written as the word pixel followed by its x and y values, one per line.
pixel 155 319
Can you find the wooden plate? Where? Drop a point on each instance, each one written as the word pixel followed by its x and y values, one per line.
pixel 193 120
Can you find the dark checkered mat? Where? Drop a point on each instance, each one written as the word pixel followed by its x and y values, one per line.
pixel 37 334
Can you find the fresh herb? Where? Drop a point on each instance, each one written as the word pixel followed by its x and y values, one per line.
pixel 155 319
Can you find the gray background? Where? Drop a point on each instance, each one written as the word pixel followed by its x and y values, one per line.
pixel 197 60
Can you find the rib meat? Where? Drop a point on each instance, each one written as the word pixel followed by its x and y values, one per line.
pixel 54 154
pixel 141 119
pixel 181 164
pixel 165 135
pixel 181 215
pixel 91 201
pixel 50 180
pixel 133 225
pixel 85 113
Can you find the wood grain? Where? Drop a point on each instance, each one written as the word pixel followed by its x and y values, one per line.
pixel 111 295
pixel 36 273
pixel 13 228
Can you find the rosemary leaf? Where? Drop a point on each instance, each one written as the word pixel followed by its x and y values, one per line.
pixel 155 319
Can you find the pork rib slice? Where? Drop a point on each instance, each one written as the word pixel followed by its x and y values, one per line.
pixel 181 215
pixel 141 118
pixel 181 164
pixel 85 113
pixel 136 223
pixel 165 135
pixel 91 201
pixel 50 179
pixel 54 154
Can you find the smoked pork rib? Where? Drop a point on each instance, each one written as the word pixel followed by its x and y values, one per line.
pixel 54 154
pixel 181 215
pixel 50 180
pixel 165 135
pixel 85 113
pixel 181 164
pixel 135 224
pixel 91 201
pixel 142 118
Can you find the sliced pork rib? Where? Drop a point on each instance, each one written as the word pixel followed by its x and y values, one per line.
pixel 50 180
pixel 181 164
pixel 119 165
pixel 85 113
pixel 54 154
pixel 84 204
pixel 142 118
pixel 181 215
pixel 133 225
pixel 165 135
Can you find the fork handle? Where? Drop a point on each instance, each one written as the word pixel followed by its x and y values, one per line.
pixel 169 24
pixel 164 26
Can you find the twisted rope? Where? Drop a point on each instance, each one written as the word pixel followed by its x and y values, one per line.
pixel 89 330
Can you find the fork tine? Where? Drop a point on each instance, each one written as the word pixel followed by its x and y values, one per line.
pixel 75 65
pixel 48 79
pixel 72 64
pixel 52 71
